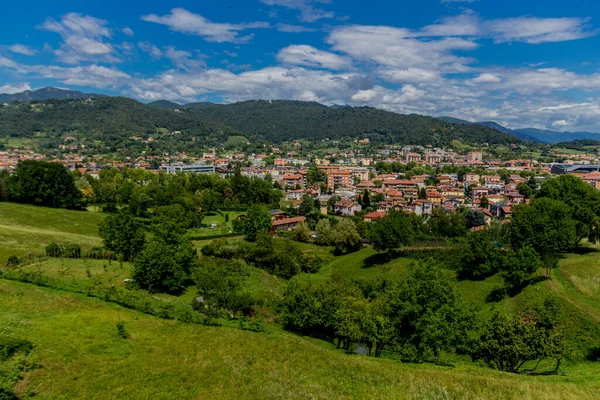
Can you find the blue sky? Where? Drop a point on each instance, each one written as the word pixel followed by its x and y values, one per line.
pixel 520 63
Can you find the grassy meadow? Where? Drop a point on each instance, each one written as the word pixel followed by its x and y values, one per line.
pixel 26 228
pixel 80 354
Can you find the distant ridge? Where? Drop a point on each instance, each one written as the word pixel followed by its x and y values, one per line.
pixel 531 134
pixel 47 93
pixel 166 104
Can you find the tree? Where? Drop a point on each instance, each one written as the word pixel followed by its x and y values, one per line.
pixel 475 256
pixel 257 222
pixel 315 176
pixel 524 190
pixel 366 201
pixel 545 225
pixel 447 224
pixel 583 201
pixel 429 317
pixel 345 237
pixel 507 343
pixel 474 218
pixel 392 231
pixel 517 267
pixel 221 283
pixel 157 270
pixel 301 232
pixel 165 262
pixel 123 234
pixel 484 202
pixel 42 183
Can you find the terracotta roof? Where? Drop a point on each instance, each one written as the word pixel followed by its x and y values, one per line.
pixel 289 221
pixel 375 215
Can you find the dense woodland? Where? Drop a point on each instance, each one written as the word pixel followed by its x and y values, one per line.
pixel 113 119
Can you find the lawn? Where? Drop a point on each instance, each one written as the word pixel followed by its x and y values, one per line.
pixel 222 227
pixel 364 263
pixel 80 355
pixel 25 228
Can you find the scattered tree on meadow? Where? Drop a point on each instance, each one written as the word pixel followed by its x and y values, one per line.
pixel 123 234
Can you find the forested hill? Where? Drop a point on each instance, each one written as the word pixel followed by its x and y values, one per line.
pixel 102 118
pixel 111 117
pixel 46 94
pixel 285 120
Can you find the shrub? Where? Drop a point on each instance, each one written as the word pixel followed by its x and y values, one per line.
pixel 12 261
pixel 53 250
pixel 121 331
pixel 71 251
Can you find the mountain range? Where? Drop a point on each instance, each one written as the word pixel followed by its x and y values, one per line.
pixel 298 119
pixel 531 134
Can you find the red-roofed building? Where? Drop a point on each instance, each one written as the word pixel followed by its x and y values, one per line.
pixel 287 224
pixel 370 217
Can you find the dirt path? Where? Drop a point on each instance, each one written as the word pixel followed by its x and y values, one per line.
pixel 594 316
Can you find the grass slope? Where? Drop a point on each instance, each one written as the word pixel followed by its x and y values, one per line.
pixel 81 356
pixel 25 228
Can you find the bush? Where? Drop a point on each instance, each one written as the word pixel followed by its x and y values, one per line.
pixel 72 251
pixel 53 250
pixel 99 253
pixel 12 261
pixel 121 331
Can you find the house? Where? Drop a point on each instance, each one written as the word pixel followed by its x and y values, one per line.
pixel 346 207
pixel 423 207
pixel 277 215
pixel 434 196
pixel 370 217
pixel 286 224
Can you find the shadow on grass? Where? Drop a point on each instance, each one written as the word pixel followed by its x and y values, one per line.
pixel 593 355
pixel 582 250
pixel 499 293
pixel 380 259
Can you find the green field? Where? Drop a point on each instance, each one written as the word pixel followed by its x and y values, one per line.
pixel 25 228
pixel 221 226
pixel 236 141
pixel 80 355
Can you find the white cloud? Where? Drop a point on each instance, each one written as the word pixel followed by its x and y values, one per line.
pixel 538 30
pixel 294 28
pixel 487 78
pixel 308 13
pixel 560 123
pixel 409 75
pixel 394 47
pixel 22 49
pixel 530 30
pixel 309 56
pixel 12 88
pixel 84 38
pixel 182 20
pixel 151 49
pixel 364 96
pixel 127 31
pixel 183 59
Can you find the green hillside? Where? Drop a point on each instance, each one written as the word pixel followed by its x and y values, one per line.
pixel 284 120
pixel 26 228
pixel 106 118
pixel 112 120
pixel 78 354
